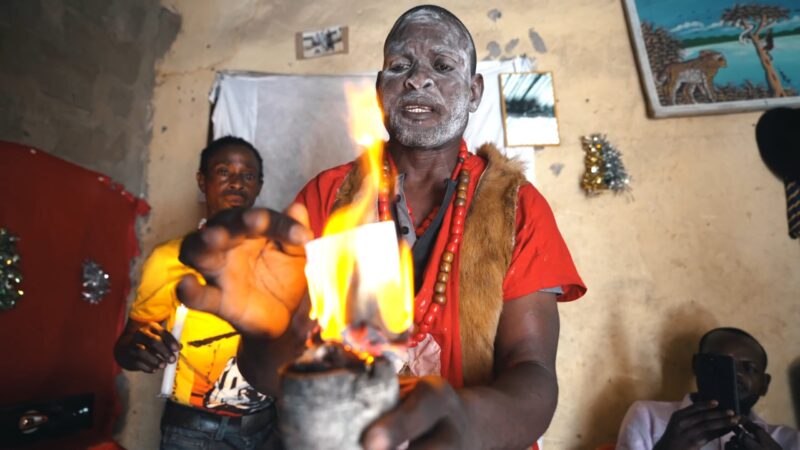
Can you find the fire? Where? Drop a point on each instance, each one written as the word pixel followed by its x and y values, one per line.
pixel 358 275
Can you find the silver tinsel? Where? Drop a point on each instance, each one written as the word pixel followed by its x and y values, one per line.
pixel 96 282
pixel 604 168
pixel 10 277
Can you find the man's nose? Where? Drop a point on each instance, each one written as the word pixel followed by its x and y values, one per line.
pixel 236 181
pixel 419 78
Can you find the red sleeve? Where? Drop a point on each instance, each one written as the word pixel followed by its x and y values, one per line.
pixel 541 259
pixel 319 194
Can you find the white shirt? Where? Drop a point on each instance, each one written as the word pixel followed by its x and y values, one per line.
pixel 646 421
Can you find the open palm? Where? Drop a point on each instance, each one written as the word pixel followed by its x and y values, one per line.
pixel 252 261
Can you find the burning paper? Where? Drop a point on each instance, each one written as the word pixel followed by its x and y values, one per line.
pixel 360 282
pixel 359 276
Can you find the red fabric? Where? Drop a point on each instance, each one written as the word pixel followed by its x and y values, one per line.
pixel 540 259
pixel 54 343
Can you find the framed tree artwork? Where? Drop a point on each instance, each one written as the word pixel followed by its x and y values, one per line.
pixel 716 56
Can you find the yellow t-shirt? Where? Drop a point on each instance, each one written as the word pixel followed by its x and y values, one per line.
pixel 207 376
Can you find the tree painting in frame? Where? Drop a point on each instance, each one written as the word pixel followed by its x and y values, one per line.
pixel 717 56
pixel 529 109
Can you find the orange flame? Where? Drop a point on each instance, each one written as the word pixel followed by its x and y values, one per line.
pixel 357 274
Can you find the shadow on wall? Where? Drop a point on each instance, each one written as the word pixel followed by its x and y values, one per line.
pixel 673 346
pixel 794 387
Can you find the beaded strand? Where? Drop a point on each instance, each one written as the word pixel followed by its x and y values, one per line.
pixel 429 310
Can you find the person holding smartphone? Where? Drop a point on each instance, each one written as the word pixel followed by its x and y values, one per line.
pixel 698 422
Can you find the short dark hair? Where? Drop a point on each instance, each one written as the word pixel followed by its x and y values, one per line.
pixel 217 145
pixel 473 56
pixel 736 331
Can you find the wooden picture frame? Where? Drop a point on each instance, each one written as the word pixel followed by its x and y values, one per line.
pixel 528 103
pixel 719 58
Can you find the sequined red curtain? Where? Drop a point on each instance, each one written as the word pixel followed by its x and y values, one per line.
pixel 54 343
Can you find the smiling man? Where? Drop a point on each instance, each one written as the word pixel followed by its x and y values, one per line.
pixel 210 406
pixel 489 261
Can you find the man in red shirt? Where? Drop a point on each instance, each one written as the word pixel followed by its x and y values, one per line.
pixel 490 264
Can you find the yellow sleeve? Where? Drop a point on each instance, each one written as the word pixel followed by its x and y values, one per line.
pixel 155 298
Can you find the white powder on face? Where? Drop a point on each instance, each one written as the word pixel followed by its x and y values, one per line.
pixel 428 17
pixel 456 43
pixel 435 136
pixel 425 16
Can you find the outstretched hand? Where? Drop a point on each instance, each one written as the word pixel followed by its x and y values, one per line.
pixel 252 261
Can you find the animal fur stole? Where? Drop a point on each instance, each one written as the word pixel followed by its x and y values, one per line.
pixel 484 257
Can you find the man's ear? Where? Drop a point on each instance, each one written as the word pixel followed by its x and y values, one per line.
pixel 694 365
pixel 476 92
pixel 378 88
pixel 765 387
pixel 201 182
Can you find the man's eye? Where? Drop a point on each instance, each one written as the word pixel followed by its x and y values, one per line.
pixel 398 67
pixel 748 367
pixel 443 67
pixel 222 172
pixel 249 177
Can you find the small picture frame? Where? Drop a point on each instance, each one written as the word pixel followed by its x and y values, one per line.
pixel 326 42
pixel 717 58
pixel 528 102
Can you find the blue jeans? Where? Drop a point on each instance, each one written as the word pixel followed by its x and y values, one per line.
pixel 226 437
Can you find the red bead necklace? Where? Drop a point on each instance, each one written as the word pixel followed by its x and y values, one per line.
pixel 428 310
pixel 420 230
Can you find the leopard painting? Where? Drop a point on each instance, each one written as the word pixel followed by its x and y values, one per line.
pixel 696 73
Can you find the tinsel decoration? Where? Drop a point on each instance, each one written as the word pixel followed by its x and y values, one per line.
pixel 604 168
pixel 96 282
pixel 10 278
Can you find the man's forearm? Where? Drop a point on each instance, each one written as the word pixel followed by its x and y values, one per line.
pixel 515 410
pixel 259 360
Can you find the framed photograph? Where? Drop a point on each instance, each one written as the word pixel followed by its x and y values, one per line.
pixel 313 44
pixel 529 109
pixel 716 56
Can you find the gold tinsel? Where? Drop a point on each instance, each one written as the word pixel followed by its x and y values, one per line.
pixel 604 169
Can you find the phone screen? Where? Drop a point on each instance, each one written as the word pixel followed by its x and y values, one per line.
pixel 716 380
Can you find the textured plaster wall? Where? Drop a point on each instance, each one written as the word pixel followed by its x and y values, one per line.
pixel 700 242
pixel 76 79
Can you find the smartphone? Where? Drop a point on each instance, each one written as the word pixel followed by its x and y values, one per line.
pixel 716 380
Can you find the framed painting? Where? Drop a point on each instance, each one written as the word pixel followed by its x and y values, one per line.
pixel 528 102
pixel 716 56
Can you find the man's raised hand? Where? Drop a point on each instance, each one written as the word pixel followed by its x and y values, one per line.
pixel 252 261
pixel 692 427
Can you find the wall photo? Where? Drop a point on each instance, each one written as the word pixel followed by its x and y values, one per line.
pixel 329 41
pixel 716 56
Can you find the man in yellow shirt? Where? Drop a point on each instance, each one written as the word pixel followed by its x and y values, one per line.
pixel 211 405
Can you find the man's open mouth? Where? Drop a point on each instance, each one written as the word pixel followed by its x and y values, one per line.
pixel 417 109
